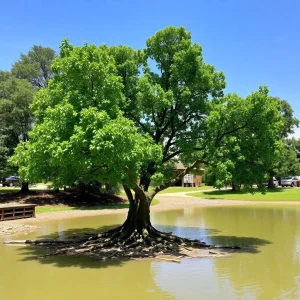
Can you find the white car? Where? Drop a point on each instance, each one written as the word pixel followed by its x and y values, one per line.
pixel 275 182
pixel 289 181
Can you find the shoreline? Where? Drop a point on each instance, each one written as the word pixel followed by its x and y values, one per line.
pixel 166 202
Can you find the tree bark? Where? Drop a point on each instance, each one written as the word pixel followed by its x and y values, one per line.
pixel 24 187
pixel 233 187
pixel 138 217
pixel 271 183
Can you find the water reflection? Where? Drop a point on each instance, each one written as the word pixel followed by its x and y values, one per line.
pixel 273 273
pixel 267 268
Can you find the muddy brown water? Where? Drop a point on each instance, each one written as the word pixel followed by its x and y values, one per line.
pixel 268 267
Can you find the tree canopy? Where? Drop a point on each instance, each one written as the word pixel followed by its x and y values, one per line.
pixel 80 133
pixel 16 118
pixel 35 66
pixel 245 136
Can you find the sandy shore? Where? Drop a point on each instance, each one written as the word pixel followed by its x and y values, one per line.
pixel 166 202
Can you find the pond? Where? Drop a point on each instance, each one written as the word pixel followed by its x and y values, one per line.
pixel 268 267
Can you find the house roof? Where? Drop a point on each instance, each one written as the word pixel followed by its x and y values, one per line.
pixel 180 166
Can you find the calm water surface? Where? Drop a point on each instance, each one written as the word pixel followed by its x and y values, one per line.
pixel 267 268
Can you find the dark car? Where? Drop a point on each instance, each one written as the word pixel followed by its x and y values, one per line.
pixel 11 181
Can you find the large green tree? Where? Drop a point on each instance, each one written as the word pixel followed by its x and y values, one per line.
pixel 16 119
pixel 107 115
pixel 245 156
pixel 35 66
pixel 289 162
pixel 286 161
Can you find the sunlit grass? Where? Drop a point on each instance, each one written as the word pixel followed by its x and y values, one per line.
pixel 17 189
pixel 4 190
pixel 52 208
pixel 278 194
pixel 179 189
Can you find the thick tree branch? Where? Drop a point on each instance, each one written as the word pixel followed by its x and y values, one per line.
pixel 128 193
pixel 139 192
pixel 219 138
pixel 174 154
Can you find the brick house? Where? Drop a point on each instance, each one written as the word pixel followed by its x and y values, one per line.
pixel 193 179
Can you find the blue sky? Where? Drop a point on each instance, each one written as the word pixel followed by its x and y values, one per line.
pixel 254 42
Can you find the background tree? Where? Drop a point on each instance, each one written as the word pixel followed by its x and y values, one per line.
pixel 248 131
pixel 288 164
pixel 287 158
pixel 35 66
pixel 16 118
pixel 294 144
pixel 246 157
pixel 107 115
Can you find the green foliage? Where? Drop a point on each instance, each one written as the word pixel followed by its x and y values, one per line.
pixel 209 176
pixel 16 118
pixel 288 164
pixel 294 144
pixel 244 138
pixel 35 66
pixel 80 134
pixel 288 119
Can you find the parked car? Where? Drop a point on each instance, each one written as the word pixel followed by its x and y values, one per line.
pixel 11 181
pixel 275 181
pixel 290 181
pixel 298 181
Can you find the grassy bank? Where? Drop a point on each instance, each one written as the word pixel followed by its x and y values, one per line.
pixel 179 189
pixel 278 194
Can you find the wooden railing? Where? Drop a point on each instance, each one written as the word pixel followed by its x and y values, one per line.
pixel 16 211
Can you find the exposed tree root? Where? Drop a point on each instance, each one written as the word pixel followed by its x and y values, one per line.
pixel 128 243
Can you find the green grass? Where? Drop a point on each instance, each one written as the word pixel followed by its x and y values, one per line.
pixel 179 189
pixel 279 194
pixel 16 189
pixel 154 202
pixel 4 190
pixel 51 208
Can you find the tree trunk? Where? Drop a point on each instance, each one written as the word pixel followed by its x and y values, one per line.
pixel 82 189
pixel 271 183
pixel 138 218
pixel 24 187
pixel 234 187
